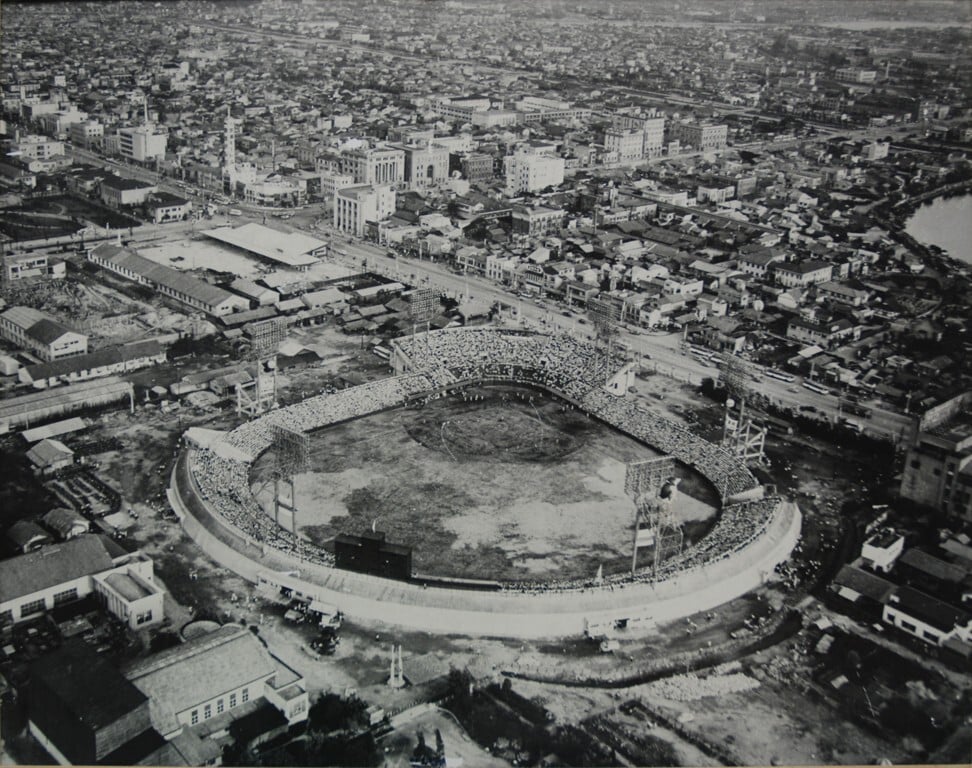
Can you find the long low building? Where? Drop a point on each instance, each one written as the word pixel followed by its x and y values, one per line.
pixel 291 249
pixel 186 289
pixel 40 406
pixel 94 365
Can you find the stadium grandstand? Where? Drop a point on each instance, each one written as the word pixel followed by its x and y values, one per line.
pixel 751 535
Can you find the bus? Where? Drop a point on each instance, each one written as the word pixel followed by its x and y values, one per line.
pixel 814 387
pixel 780 376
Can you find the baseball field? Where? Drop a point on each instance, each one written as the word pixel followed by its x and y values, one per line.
pixel 499 483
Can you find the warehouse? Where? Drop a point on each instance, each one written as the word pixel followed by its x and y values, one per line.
pixel 184 288
pixel 31 329
pixel 94 365
pixel 290 249
pixel 40 406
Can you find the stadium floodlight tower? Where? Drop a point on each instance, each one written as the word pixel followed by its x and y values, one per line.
pixel 746 440
pixel 605 317
pixel 652 486
pixel 259 396
pixel 291 451
pixel 422 307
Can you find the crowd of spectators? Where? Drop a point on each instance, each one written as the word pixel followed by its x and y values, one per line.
pixel 448 361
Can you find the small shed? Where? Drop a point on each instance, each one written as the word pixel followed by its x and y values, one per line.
pixel 26 536
pixel 50 456
pixel 64 523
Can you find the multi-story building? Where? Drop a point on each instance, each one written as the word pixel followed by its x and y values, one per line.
pixel 57 124
pixel 86 134
pixel 354 206
pixel 24 266
pixel 855 75
pixel 758 260
pixel 460 109
pixel 37 148
pixel 800 274
pixel 117 192
pixel 627 143
pixel 825 334
pixel 620 137
pixel 927 617
pixel 426 164
pixel 367 165
pixel 530 169
pixel 332 182
pixel 475 166
pixel 938 471
pixel 31 329
pixel 143 143
pixel 534 109
pixel 881 549
pixel 537 222
pixel 702 137
pixel 163 206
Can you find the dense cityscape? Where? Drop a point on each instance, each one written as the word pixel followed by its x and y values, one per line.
pixel 473 382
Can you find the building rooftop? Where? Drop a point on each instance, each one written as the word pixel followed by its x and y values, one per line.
pixel 89 686
pixel 52 565
pixel 127 587
pixel 289 248
pixel 931 611
pixel 188 674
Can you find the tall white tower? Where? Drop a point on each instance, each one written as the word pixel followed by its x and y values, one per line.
pixel 229 150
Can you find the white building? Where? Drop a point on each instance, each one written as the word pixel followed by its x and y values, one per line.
pixel 926 617
pixel 882 549
pixel 528 170
pixel 203 678
pixel 87 134
pixel 354 206
pixel 62 573
pixel 143 143
pixel 37 148
pixel 30 329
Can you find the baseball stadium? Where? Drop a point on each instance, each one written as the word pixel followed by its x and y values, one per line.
pixel 499 483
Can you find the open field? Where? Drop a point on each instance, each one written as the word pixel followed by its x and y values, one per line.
pixel 85 210
pixel 20 225
pixel 510 483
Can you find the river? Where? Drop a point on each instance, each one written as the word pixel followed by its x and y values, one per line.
pixel 947 223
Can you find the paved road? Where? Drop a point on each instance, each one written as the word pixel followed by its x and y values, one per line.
pixel 659 352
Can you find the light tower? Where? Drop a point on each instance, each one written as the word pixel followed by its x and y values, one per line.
pixel 605 317
pixel 259 396
pixel 746 440
pixel 291 451
pixel 653 487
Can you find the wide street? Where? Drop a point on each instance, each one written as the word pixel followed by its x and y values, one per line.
pixel 657 352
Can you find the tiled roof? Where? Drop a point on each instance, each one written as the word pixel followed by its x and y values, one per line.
pixel 195 671
pixel 53 565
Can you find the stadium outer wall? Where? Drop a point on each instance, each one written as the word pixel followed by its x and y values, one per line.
pixel 498 614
